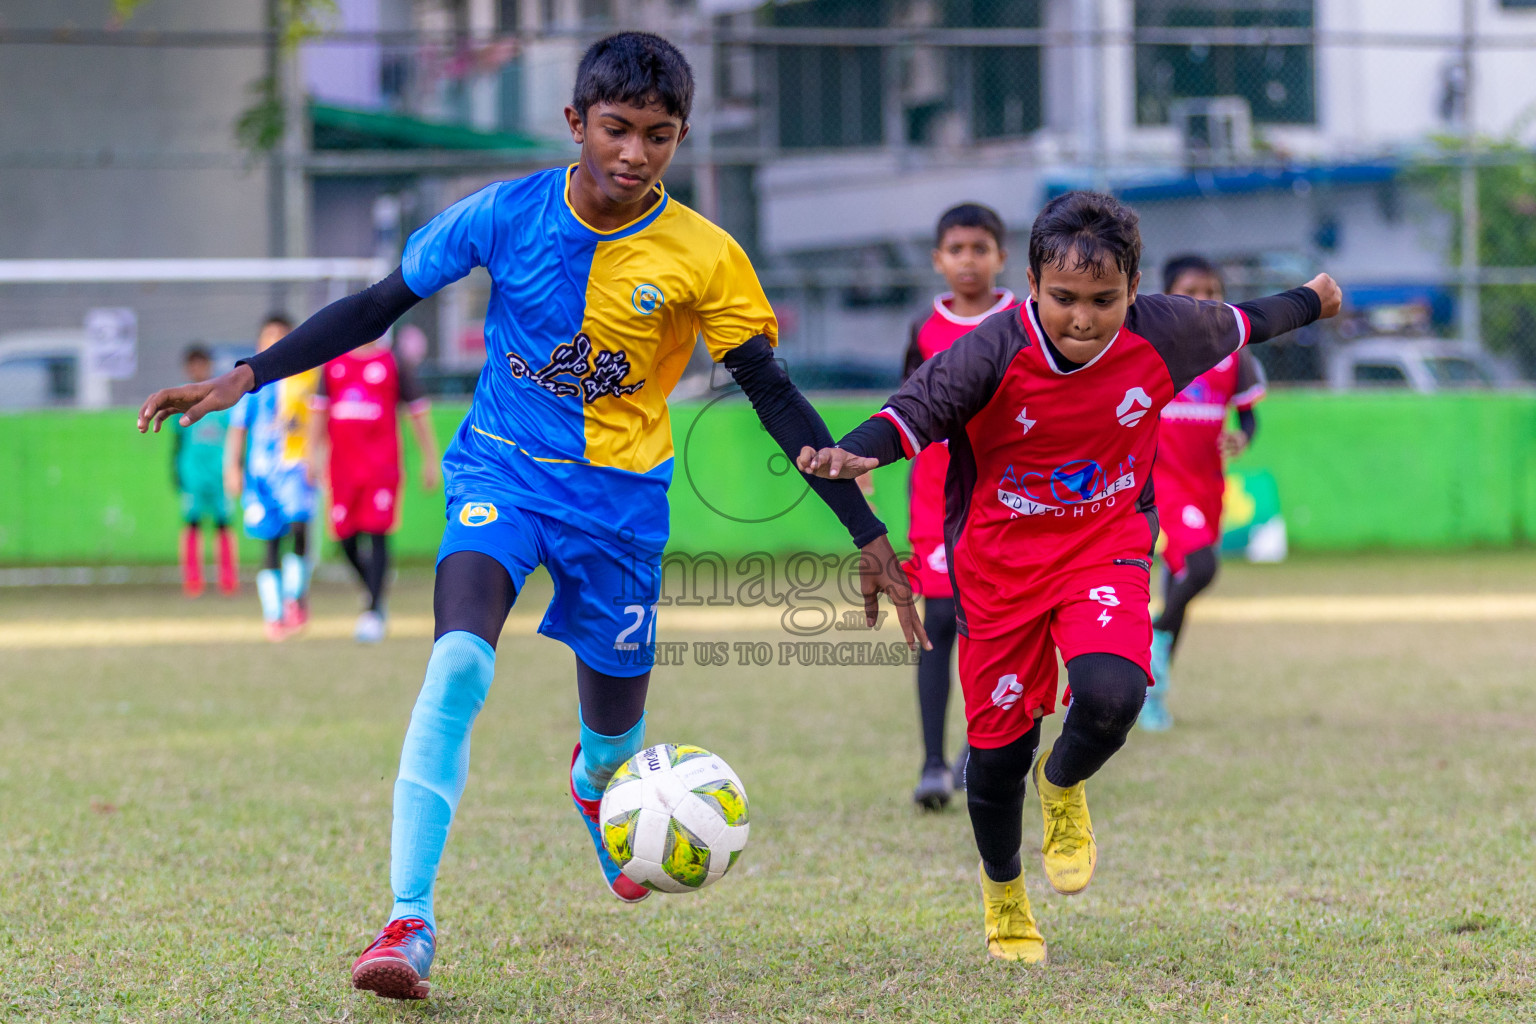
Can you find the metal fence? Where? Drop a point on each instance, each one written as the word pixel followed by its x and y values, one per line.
pixel 1388 141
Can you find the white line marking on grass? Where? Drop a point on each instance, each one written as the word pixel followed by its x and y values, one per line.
pixel 1332 609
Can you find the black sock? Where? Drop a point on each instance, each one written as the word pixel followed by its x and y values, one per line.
pixel 355 557
pixel 994 795
pixel 933 676
pixel 378 572
pixel 274 553
pixel 1198 573
pixel 1107 693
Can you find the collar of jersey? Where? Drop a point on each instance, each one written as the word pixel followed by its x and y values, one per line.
pixel 1032 324
pixel 639 224
pixel 1004 300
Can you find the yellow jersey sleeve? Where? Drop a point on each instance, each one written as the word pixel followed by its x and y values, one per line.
pixel 732 308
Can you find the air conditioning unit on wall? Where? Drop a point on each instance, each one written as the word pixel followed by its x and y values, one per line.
pixel 1213 130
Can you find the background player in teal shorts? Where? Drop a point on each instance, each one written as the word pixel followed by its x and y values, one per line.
pixel 197 465
pixel 268 466
pixel 601 284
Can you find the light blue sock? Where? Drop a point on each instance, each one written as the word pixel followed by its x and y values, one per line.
pixel 433 766
pixel 601 756
pixel 269 587
pixel 295 576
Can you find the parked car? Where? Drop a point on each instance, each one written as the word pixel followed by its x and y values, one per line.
pixel 1423 365
pixel 48 368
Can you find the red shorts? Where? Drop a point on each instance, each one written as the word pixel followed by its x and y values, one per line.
pixel 928 569
pixel 364 506
pixel 1189 522
pixel 1011 680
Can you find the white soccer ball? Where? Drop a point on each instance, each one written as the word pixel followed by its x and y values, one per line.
pixel 674 818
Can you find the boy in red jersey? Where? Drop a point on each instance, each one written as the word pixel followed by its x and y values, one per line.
pixel 354 412
pixel 1191 477
pixel 969 252
pixel 1051 414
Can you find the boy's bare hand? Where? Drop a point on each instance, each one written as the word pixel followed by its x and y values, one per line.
pixel 833 463
pixel 881 573
pixel 1232 443
pixel 1328 290
pixel 195 401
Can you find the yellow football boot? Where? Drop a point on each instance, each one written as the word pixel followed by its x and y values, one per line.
pixel 1011 931
pixel 1067 851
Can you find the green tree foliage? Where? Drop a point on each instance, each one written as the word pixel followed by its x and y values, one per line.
pixel 1506 237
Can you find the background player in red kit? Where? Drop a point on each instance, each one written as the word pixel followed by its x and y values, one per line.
pixel 1051 414
pixel 355 413
pixel 968 250
pixel 1191 477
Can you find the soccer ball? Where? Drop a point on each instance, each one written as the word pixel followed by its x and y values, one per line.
pixel 674 818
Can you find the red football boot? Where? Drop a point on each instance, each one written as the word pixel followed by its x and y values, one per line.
pixel 620 884
pixel 396 965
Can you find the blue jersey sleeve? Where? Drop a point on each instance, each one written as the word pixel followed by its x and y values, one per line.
pixel 451 244
pixel 240 415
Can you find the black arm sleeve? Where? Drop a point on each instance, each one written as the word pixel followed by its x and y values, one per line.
pixel 1247 423
pixel 794 423
pixel 1274 315
pixel 876 438
pixel 338 328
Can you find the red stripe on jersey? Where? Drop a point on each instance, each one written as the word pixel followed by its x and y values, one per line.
pixel 908 439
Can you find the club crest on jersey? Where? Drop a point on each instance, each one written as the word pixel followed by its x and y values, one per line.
pixel 594 376
pixel 1008 691
pixel 1133 407
pixel 647 299
pixel 478 513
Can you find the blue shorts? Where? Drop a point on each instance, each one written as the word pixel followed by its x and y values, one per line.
pixel 604 606
pixel 274 503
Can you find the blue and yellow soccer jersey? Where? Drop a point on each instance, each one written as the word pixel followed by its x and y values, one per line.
pixel 276 421
pixel 586 333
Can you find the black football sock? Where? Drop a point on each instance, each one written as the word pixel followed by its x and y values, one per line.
pixel 1107 693
pixel 933 676
pixel 1198 573
pixel 378 572
pixel 355 558
pixel 995 797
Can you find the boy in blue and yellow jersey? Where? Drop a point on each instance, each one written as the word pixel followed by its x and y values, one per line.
pixel 267 466
pixel 198 467
pixel 600 284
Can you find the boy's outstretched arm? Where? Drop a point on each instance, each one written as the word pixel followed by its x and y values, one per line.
pixel 792 422
pixel 340 327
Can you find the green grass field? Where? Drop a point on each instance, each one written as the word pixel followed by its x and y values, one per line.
pixel 1339 829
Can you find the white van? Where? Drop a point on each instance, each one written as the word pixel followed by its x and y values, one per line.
pixel 49 368
pixel 1415 364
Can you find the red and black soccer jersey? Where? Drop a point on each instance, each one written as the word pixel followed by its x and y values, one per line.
pixel 1190 476
pixel 931 335
pixel 1051 469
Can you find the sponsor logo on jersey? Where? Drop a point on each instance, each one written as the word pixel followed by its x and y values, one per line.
pixel 1193 517
pixel 647 299
pixel 1133 407
pixel 1080 485
pixel 592 376
pixel 374 373
pixel 478 513
pixel 938 561
pixel 1008 691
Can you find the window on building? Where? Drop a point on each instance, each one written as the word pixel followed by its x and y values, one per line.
pixel 999 85
pixel 1278 81
pixel 828 95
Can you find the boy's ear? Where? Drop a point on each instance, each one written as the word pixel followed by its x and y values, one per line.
pixel 573 120
pixel 1034 285
pixel 1002 257
pixel 1135 280
pixel 935 257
